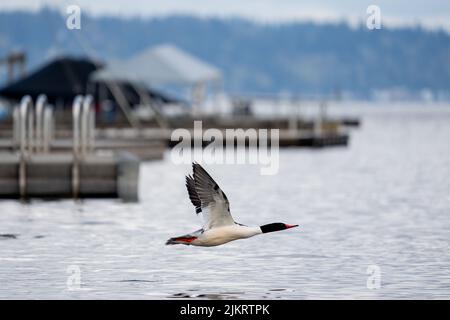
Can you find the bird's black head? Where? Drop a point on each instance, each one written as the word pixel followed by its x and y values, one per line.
pixel 277 226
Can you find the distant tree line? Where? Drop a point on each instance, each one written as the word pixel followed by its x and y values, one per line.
pixel 296 58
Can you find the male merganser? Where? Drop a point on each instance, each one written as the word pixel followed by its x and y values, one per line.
pixel 218 224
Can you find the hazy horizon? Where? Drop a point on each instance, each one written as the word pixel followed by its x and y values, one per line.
pixel 432 15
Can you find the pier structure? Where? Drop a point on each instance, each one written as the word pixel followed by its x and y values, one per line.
pixel 33 169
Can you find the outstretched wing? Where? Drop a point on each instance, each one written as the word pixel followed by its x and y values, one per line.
pixel 208 198
pixel 190 185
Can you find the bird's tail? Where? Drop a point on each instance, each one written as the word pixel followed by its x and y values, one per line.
pixel 181 240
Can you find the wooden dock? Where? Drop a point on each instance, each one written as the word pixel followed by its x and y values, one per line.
pixel 59 175
pixel 33 165
pixel 151 144
pixel 39 159
pixel 286 139
pixel 143 149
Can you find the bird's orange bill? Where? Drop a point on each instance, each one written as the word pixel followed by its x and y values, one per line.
pixel 288 226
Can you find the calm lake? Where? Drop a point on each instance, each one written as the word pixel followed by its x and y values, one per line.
pixel 374 223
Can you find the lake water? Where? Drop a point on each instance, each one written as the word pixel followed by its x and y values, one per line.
pixel 381 205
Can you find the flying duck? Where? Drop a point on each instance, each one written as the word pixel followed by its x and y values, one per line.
pixel 218 224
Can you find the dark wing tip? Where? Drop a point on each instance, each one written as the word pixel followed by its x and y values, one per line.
pixel 195 166
pixel 170 242
pixel 199 170
pixel 204 182
pixel 189 178
pixel 192 192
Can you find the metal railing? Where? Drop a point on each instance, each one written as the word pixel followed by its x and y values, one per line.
pixel 47 134
pixel 32 132
pixel 83 135
pixel 88 126
pixel 26 140
pixel 83 125
pixel 44 124
pixel 16 128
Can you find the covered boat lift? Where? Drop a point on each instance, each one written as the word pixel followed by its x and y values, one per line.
pixel 164 65
pixel 62 79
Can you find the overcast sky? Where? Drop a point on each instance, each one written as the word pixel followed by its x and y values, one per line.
pixel 429 13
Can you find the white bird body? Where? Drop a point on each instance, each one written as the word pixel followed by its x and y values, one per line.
pixel 221 235
pixel 218 224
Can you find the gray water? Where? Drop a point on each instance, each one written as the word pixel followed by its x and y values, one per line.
pixel 384 201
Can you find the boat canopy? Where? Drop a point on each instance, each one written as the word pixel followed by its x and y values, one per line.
pixel 160 65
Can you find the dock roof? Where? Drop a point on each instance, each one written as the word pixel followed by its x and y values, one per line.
pixel 66 77
pixel 160 65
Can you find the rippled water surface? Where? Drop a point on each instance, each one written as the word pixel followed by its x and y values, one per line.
pixel 384 201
